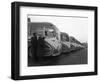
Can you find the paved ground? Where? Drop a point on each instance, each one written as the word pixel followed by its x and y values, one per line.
pixel 75 57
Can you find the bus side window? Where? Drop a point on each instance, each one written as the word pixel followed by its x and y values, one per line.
pixel 56 35
pixel 67 38
pixel 46 33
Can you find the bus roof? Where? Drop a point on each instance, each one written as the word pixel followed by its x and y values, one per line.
pixel 40 25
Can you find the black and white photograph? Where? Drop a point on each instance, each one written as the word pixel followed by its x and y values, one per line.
pixel 53 40
pixel 57 40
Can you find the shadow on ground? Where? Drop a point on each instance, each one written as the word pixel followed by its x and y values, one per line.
pixel 72 58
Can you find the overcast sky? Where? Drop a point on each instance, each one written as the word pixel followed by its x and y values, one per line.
pixel 74 26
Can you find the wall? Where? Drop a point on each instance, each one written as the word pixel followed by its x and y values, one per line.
pixel 5 40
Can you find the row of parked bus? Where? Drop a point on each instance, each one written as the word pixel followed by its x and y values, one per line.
pixel 54 42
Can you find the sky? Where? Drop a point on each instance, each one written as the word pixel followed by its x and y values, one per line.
pixel 74 26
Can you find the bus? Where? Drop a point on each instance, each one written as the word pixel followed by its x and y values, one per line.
pixel 65 42
pixel 48 39
pixel 51 42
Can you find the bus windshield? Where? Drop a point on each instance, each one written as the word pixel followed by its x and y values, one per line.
pixel 64 37
pixel 50 33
